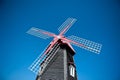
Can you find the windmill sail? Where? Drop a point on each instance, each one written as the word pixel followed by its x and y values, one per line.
pixel 68 23
pixel 40 33
pixel 35 66
pixel 85 44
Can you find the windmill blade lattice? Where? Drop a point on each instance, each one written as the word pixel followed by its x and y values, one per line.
pixel 69 22
pixel 40 33
pixel 35 66
pixel 85 44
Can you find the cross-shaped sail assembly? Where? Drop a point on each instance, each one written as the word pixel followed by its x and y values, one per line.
pixel 70 40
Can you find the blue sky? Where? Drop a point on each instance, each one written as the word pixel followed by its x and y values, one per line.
pixel 97 20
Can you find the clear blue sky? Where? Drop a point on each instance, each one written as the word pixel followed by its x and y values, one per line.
pixel 98 20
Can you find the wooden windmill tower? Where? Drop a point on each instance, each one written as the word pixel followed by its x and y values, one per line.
pixel 56 62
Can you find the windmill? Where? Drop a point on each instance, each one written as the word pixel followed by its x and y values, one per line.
pixel 56 61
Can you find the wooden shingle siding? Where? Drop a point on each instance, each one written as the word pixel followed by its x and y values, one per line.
pixel 56 68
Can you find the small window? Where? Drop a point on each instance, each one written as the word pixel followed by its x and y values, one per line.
pixel 72 70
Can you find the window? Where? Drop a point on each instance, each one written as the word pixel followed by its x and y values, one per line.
pixel 72 70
